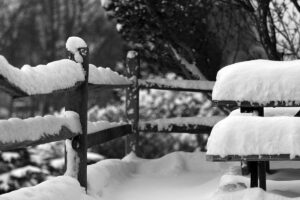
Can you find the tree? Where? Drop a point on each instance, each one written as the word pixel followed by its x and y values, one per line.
pixel 186 37
pixel 277 23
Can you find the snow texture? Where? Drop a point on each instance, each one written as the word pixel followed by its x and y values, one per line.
pixel 250 135
pixel 62 187
pixel 175 176
pixel 43 79
pixel 105 76
pixel 166 124
pixel 271 112
pixel 260 81
pixel 73 45
pixel 106 3
pixel 94 127
pixel 72 160
pixel 31 129
pixel 131 54
pixel 184 84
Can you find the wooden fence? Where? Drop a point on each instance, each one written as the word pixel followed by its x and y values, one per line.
pixel 78 98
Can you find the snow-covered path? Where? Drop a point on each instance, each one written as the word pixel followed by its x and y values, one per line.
pixel 176 176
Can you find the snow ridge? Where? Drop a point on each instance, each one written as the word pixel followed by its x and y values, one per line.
pixel 43 79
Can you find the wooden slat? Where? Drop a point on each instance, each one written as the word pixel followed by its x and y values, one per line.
pixel 106 135
pixel 174 128
pixel 281 157
pixel 255 104
pixel 10 88
pixel 171 85
pixel 63 134
pixel 95 87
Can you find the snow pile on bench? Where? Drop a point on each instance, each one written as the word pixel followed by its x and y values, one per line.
pixel 94 127
pixel 167 123
pixel 271 112
pixel 182 84
pixel 31 129
pixel 249 135
pixel 43 79
pixel 105 76
pixel 259 81
pixel 62 187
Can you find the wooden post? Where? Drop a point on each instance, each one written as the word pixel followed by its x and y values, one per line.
pixel 77 102
pixel 132 101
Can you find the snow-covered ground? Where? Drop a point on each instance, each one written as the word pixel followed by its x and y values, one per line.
pixel 175 176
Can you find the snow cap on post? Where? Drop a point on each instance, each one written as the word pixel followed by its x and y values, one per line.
pixel 77 47
pixel 131 54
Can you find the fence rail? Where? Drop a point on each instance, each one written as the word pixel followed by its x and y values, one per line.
pixel 78 98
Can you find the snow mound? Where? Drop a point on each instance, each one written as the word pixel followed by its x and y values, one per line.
pixel 271 112
pixel 250 135
pixel 105 76
pixel 62 187
pixel 260 81
pixel 43 79
pixel 73 45
pixel 137 175
pixel 18 130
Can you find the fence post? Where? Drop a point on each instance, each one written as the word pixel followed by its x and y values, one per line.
pixel 132 101
pixel 77 147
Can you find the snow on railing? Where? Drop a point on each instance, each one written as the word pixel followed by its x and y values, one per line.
pixel 195 125
pixel 178 85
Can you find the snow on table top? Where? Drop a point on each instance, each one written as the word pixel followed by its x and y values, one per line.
pixel 105 76
pixel 18 130
pixel 165 123
pixel 43 79
pixel 271 112
pixel 59 188
pixel 94 127
pixel 259 81
pixel 250 135
pixel 183 84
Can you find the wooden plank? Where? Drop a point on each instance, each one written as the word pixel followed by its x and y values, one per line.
pixel 255 104
pixel 174 128
pixel 103 136
pixel 78 100
pixel 281 157
pixel 262 175
pixel 188 85
pixel 132 101
pixel 63 134
pixel 94 88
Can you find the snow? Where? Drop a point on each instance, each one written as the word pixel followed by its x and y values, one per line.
pixel 271 112
pixel 18 130
pixel 94 127
pixel 72 160
pixel 106 3
pixel 175 176
pixel 62 187
pixel 105 76
pixel 119 27
pixel 132 54
pixel 73 45
pixel 250 135
pixel 259 81
pixel 167 123
pixel 10 156
pixel 185 84
pixel 43 79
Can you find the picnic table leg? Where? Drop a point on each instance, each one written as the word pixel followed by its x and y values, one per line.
pixel 262 174
pixel 253 173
